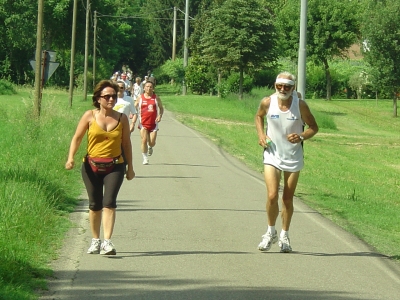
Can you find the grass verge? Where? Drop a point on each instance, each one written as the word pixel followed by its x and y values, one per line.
pixel 36 192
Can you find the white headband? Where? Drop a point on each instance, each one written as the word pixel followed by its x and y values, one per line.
pixel 284 80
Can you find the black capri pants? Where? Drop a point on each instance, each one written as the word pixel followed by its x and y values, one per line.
pixel 102 189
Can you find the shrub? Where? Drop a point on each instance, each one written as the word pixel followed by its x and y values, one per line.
pixel 232 83
pixel 201 78
pixel 170 70
pixel 265 77
pixel 6 88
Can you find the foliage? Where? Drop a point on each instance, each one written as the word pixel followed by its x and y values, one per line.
pixel 265 77
pixel 382 45
pixel 6 88
pixel 200 76
pixel 332 27
pixel 232 83
pixel 170 70
pixel 238 35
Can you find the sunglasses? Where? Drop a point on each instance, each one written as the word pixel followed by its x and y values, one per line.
pixel 285 87
pixel 108 97
pixel 121 87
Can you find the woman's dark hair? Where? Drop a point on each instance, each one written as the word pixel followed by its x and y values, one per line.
pixel 100 87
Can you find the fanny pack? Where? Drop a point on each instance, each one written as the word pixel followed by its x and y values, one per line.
pixel 102 165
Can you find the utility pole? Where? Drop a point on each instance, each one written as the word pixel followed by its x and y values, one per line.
pixel 86 51
pixel 71 71
pixel 38 58
pixel 301 68
pixel 174 36
pixel 185 49
pixel 94 47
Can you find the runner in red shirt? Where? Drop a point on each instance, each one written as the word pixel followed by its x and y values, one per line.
pixel 150 111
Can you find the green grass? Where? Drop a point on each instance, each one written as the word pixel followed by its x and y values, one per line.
pixel 36 192
pixel 352 165
pixel 351 174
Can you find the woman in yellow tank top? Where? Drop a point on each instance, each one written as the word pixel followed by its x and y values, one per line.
pixel 108 134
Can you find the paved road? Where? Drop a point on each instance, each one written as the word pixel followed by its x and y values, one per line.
pixel 188 227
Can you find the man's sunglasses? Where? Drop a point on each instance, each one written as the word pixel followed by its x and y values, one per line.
pixel 285 87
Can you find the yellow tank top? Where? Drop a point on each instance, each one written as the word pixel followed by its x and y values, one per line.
pixel 103 143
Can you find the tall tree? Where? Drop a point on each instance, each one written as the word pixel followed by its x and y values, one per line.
pixel 17 43
pixel 332 28
pixel 239 34
pixel 159 26
pixel 381 33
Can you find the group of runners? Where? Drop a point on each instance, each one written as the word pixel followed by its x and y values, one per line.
pixel 143 106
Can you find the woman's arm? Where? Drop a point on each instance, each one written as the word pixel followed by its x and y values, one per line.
pixel 127 147
pixel 80 131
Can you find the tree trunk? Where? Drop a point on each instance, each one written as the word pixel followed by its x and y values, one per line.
pixel 395 104
pixel 241 84
pixel 219 83
pixel 328 80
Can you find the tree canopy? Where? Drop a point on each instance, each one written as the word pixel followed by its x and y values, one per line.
pixel 239 34
pixel 332 27
pixel 381 36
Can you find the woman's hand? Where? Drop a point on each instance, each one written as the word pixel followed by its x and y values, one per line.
pixel 130 174
pixel 69 165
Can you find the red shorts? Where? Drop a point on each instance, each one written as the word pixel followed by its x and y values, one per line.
pixel 149 127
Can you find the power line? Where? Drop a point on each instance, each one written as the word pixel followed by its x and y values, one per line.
pixel 136 17
pixel 144 16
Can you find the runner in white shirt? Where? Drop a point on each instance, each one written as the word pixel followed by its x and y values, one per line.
pixel 137 88
pixel 286 114
pixel 126 107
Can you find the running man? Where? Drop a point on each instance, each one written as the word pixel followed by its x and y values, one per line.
pixel 286 115
pixel 150 111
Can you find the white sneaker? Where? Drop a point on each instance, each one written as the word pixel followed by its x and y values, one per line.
pixel 149 151
pixel 107 248
pixel 145 161
pixel 267 241
pixel 94 247
pixel 284 243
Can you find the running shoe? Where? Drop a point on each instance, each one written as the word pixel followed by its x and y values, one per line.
pixel 107 248
pixel 284 243
pixel 94 247
pixel 150 151
pixel 145 161
pixel 267 241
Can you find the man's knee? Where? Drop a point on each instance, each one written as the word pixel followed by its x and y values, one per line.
pixel 272 198
pixel 288 202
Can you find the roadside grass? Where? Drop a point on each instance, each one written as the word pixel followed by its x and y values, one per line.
pixel 36 192
pixel 352 168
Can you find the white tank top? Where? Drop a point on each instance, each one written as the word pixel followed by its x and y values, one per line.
pixel 281 153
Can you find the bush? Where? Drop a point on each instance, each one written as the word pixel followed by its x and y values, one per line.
pixel 265 78
pixel 233 83
pixel 6 88
pixel 201 77
pixel 170 70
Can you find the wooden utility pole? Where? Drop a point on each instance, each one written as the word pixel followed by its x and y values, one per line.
pixel 86 51
pixel 94 47
pixel 174 37
pixel 71 70
pixel 38 58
